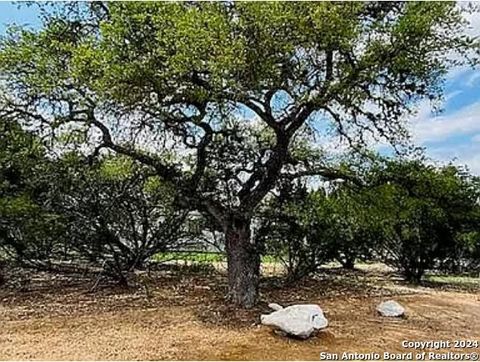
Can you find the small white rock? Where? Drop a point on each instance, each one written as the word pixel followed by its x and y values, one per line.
pixel 390 308
pixel 300 320
pixel 275 306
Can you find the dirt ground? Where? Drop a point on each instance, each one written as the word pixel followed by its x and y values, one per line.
pixel 170 316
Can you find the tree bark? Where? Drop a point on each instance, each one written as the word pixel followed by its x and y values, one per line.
pixel 349 264
pixel 243 258
pixel 2 279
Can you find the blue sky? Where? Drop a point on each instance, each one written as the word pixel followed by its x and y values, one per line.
pixel 453 135
pixel 17 13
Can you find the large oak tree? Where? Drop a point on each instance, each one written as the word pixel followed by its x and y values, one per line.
pixel 215 96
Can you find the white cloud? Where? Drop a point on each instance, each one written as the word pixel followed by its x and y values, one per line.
pixel 467 154
pixel 428 127
pixel 474 78
pixel 476 138
pixel 436 130
pixel 452 95
pixel 474 19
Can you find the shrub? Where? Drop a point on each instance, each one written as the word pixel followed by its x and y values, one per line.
pixel 118 215
pixel 31 232
pixel 426 212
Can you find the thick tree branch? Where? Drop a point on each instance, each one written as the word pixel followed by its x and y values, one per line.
pixel 264 115
pixel 327 173
pixel 167 172
pixel 201 155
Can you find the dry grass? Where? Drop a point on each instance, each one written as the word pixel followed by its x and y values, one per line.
pixel 185 317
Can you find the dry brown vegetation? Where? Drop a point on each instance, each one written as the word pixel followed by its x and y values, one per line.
pixel 184 316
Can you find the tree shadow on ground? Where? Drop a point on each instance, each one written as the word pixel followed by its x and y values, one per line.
pixel 201 291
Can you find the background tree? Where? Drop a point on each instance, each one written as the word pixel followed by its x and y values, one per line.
pixel 464 256
pixel 111 213
pixel 353 226
pixel 31 232
pixel 288 232
pixel 305 229
pixel 427 213
pixel 179 86
pixel 117 214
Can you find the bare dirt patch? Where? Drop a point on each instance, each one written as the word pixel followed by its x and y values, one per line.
pixel 185 317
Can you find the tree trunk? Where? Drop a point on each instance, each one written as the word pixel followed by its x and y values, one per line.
pixel 348 263
pixel 243 259
pixel 2 279
pixel 414 274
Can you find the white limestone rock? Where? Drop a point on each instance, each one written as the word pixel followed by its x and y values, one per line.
pixel 300 320
pixel 390 308
pixel 275 306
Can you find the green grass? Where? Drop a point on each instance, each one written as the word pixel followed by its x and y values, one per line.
pixel 198 257
pixel 269 259
pixel 201 257
pixel 453 279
